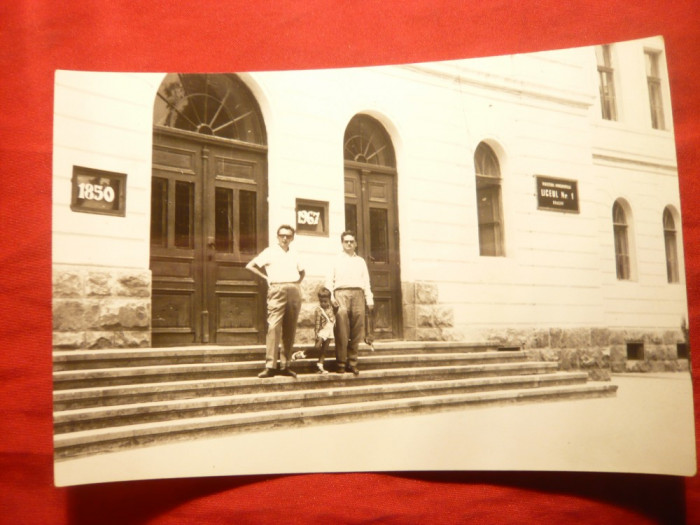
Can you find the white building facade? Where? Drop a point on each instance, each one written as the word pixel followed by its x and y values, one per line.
pixel 531 200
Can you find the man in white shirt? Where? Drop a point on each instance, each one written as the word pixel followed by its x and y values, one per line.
pixel 348 281
pixel 283 272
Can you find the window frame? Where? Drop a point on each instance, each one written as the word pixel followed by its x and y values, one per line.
pixel 652 63
pixel 606 82
pixel 671 246
pixel 489 181
pixel 621 231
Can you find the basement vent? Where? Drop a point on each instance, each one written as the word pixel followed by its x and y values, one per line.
pixel 682 351
pixel 635 351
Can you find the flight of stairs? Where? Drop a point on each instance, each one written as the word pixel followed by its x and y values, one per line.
pixel 107 400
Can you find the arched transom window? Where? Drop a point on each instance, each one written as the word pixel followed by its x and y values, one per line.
pixel 214 105
pixel 488 201
pixel 367 142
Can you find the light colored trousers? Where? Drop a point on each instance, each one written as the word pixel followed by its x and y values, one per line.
pixel 283 305
pixel 349 325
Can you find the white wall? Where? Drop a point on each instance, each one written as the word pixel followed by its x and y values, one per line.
pixel 637 163
pixel 103 121
pixel 539 112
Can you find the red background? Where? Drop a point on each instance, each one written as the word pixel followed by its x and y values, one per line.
pixel 37 37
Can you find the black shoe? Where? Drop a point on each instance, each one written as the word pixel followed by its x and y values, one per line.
pixel 354 370
pixel 268 372
pixel 341 370
pixel 287 372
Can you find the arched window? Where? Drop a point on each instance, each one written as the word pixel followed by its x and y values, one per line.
pixel 671 246
pixel 367 142
pixel 488 201
pixel 622 251
pixel 214 105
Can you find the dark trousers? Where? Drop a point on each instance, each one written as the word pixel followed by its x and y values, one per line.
pixel 283 306
pixel 349 325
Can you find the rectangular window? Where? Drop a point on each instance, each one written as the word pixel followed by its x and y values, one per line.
pixel 606 83
pixel 159 212
pixel 488 197
pixel 635 351
pixel 223 219
pixel 671 259
pixel 622 256
pixel 379 235
pixel 184 215
pixel 351 218
pixel 248 221
pixel 654 85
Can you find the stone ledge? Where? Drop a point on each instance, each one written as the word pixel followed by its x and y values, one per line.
pixel 101 340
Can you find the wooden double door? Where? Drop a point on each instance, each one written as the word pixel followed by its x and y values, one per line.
pixel 371 211
pixel 208 219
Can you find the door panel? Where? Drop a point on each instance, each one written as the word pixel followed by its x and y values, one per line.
pixel 208 220
pixel 174 263
pixel 370 210
pixel 236 298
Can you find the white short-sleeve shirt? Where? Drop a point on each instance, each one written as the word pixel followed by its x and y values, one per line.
pixel 280 266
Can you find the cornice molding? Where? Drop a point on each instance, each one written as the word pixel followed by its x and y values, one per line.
pixel 505 85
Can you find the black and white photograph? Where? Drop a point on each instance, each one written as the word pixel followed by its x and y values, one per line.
pixel 457 265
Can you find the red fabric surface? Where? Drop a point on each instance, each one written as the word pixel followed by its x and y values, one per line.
pixel 37 37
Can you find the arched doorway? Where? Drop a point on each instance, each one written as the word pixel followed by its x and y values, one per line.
pixel 371 210
pixel 208 211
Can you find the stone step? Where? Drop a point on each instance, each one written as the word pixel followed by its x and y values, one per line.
pixel 65 379
pixel 148 392
pixel 121 358
pixel 83 442
pixel 112 416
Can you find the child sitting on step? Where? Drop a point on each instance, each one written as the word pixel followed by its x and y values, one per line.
pixel 324 322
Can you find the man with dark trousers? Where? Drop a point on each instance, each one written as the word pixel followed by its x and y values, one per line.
pixel 348 281
pixel 283 272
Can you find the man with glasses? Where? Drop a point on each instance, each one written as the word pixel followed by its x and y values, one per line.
pixel 283 272
pixel 348 281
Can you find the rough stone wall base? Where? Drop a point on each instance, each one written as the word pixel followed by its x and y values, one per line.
pixel 598 351
pixel 111 308
pixel 424 318
pixel 101 307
